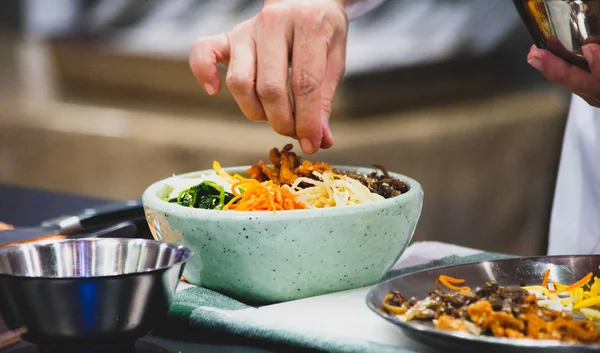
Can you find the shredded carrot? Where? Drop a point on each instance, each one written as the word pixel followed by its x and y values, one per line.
pixel 580 283
pixel 235 186
pixel 453 280
pixel 577 284
pixel 391 308
pixel 266 196
pixel 545 281
pixel 450 281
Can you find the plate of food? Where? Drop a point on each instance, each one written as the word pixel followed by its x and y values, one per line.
pixel 526 304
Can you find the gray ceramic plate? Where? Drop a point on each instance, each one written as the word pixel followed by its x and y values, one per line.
pixel 511 272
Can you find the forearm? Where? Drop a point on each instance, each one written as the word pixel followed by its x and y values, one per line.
pixel 354 8
pixel 357 8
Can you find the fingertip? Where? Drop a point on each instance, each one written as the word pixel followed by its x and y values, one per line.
pixel 209 88
pixel 536 64
pixel 309 146
pixel 306 145
pixel 536 52
pixel 544 61
pixel 327 140
pixel 590 51
pixel 531 50
pixel 207 77
pixel 310 133
pixel 204 56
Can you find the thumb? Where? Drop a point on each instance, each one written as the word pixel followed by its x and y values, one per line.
pixel 558 71
pixel 205 54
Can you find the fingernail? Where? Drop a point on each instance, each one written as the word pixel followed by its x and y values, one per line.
pixel 588 54
pixel 326 128
pixel 306 145
pixel 325 121
pixel 328 133
pixel 327 141
pixel 536 63
pixel 209 88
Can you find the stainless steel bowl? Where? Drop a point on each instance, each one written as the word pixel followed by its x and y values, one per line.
pixel 562 26
pixel 89 291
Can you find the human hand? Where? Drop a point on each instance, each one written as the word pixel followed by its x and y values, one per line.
pixel 308 35
pixel 577 80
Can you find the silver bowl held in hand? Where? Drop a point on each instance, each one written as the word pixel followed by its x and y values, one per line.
pixel 89 291
pixel 562 26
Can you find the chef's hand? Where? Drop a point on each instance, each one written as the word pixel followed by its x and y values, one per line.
pixel 308 35
pixel 579 81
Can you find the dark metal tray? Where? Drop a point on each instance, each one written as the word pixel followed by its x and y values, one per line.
pixel 512 272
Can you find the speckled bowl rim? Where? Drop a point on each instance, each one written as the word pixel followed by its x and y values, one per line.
pixel 149 198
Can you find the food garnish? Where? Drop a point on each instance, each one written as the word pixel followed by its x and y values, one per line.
pixel 331 190
pixel 208 195
pixel 288 183
pixel 379 183
pixel 286 167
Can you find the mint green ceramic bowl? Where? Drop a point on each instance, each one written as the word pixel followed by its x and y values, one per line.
pixel 267 257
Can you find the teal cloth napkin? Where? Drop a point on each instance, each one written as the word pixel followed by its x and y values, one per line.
pixel 203 309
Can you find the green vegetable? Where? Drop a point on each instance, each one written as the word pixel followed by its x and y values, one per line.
pixel 207 195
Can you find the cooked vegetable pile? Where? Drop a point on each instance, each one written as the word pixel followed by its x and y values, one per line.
pixel 288 183
pixel 545 312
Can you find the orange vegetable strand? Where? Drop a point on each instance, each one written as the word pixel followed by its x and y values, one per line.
pixel 266 196
pixel 545 281
pixel 580 283
pixel 577 284
pixel 448 282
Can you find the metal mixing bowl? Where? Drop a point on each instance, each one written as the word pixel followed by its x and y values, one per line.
pixel 89 291
pixel 562 26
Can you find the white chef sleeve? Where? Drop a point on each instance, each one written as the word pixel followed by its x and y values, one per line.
pixel 575 223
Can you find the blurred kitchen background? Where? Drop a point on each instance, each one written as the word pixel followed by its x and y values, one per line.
pixel 96 98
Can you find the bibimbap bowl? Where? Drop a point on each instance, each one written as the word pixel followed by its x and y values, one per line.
pixel 274 256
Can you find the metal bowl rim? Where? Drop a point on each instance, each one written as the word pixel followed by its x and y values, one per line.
pixel 188 253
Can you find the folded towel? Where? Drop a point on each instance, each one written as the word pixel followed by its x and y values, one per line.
pixel 203 309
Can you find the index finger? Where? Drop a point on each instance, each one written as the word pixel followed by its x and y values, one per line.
pixel 205 54
pixel 309 63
